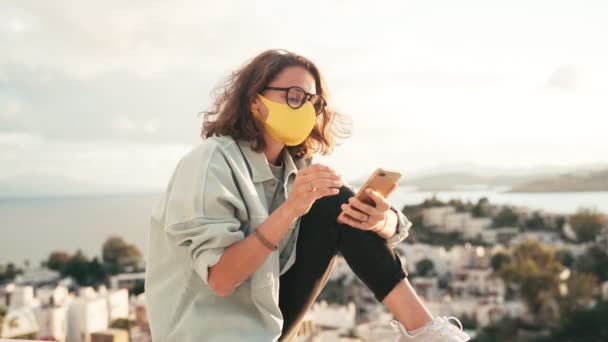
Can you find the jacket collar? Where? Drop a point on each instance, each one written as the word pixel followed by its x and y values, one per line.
pixel 260 171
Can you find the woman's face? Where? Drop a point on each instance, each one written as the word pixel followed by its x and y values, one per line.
pixel 289 77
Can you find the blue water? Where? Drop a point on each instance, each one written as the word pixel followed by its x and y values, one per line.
pixel 33 228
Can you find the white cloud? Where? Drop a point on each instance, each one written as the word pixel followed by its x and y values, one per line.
pixel 9 109
pixel 502 83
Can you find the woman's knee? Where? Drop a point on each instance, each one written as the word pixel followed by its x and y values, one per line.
pixel 330 205
pixel 344 194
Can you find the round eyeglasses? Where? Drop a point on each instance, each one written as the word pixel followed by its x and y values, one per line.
pixel 296 97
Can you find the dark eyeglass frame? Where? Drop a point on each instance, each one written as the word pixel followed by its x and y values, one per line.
pixel 307 97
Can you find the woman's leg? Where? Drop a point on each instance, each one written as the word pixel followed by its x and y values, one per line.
pixel 319 240
pixel 316 251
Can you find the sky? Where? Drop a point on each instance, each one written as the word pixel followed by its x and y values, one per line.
pixel 104 96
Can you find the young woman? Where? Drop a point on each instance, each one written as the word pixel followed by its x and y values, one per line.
pixel 245 237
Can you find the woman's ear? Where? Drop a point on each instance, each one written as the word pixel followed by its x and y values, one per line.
pixel 255 105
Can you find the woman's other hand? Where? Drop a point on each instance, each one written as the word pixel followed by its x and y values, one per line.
pixel 311 183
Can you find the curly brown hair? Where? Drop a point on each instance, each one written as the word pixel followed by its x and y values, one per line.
pixel 232 103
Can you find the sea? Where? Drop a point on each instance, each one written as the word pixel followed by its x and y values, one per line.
pixel 32 228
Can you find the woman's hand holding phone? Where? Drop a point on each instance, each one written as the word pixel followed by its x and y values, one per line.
pixel 311 183
pixel 379 218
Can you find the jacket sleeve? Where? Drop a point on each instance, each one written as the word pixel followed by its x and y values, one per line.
pixel 202 210
pixel 403 227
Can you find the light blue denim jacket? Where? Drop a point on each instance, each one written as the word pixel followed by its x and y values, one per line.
pixel 212 201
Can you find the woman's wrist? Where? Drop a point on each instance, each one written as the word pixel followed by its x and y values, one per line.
pixel 388 228
pixel 287 211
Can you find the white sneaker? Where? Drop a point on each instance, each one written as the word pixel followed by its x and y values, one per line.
pixel 439 330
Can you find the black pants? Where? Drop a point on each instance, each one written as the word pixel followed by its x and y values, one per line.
pixel 320 238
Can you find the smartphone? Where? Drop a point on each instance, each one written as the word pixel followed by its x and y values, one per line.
pixel 383 181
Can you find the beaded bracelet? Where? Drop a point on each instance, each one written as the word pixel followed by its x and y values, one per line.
pixel 264 241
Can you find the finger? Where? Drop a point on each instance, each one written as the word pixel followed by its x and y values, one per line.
pixel 322 192
pixel 381 202
pixel 316 167
pixel 326 183
pixel 364 207
pixel 350 211
pixel 354 223
pixel 321 184
pixel 321 174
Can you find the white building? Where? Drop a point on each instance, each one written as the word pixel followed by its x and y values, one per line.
pixel 52 321
pixel 52 296
pixel 484 310
pixel 455 222
pixel 126 280
pixel 477 282
pixel 333 315
pixel 444 261
pixel 488 312
pixel 475 226
pixel 434 216
pixel 548 238
pixel 19 322
pixel 22 296
pixel 419 251
pixel 379 329
pixel 118 304
pixel 446 219
pixel 86 315
pixel 499 235
pixel 426 287
pixel 37 277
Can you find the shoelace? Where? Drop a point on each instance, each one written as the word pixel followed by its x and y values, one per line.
pixel 457 330
pixel 447 319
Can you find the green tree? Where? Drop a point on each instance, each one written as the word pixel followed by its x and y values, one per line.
pixel 593 261
pixel 97 272
pixel 498 260
pixel 481 208
pixel 9 272
pixel 58 260
pixel 587 224
pixel 565 257
pixel 535 270
pixel 118 255
pixel 78 268
pixel 503 331
pixel 579 292
pixel 583 325
pixel 425 267
pixel 506 217
pixel 432 202
pixel 535 222
pixel 460 206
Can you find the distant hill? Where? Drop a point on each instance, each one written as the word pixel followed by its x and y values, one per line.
pixel 468 181
pixel 546 179
pixel 581 181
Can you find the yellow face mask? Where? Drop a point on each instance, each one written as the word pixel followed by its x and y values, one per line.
pixel 285 124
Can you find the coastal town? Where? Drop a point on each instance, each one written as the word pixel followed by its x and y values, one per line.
pixel 500 269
